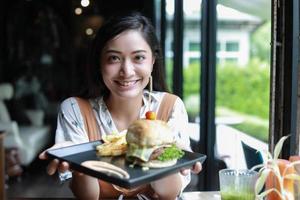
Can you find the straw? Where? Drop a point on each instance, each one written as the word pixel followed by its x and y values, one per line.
pixel 150 91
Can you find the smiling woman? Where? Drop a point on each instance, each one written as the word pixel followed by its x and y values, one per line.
pixel 125 54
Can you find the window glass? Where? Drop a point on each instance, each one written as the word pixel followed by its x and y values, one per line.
pixel 232 46
pixel 243 79
pixel 169 43
pixel 191 59
pixel 194 46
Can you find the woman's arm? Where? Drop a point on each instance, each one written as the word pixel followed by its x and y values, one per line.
pixel 178 122
pixel 169 193
pixel 70 130
pixel 84 186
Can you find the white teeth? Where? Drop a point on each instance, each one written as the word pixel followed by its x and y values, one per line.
pixel 126 83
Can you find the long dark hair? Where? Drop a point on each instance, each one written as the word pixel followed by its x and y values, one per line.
pixel 113 27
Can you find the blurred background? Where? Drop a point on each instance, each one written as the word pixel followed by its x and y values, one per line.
pixel 44 45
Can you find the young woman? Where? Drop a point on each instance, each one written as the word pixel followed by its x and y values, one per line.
pixel 125 54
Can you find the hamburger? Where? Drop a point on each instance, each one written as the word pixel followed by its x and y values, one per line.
pixel 151 144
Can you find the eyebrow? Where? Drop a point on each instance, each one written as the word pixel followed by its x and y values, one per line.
pixel 119 52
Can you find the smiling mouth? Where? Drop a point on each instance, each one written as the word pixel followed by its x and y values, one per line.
pixel 126 83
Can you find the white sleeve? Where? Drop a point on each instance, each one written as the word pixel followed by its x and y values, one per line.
pixel 70 125
pixel 178 122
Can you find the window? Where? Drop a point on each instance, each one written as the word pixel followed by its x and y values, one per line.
pixel 231 60
pixel 193 60
pixel 232 46
pixel 242 81
pixel 218 47
pixel 194 46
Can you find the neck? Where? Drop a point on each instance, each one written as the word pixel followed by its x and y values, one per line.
pixel 124 111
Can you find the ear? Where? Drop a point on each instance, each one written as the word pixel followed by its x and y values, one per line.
pixel 153 60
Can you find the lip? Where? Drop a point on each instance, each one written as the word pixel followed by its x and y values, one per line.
pixel 126 84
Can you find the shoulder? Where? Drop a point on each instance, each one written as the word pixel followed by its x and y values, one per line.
pixel 169 97
pixel 161 95
pixel 72 103
pixel 166 96
pixel 69 102
pixel 75 104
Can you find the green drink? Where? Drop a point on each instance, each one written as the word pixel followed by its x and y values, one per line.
pixel 230 195
pixel 237 184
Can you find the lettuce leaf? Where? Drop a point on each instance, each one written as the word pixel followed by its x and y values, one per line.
pixel 171 153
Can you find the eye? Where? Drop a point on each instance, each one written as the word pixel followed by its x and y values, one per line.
pixel 113 59
pixel 139 58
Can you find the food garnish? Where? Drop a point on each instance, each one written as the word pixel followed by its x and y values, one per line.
pixel 170 153
pixel 151 115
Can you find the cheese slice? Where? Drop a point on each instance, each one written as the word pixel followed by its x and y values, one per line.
pixel 143 154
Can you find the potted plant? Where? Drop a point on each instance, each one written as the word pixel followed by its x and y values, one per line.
pixel 277 176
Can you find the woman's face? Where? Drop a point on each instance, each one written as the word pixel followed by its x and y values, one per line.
pixel 126 64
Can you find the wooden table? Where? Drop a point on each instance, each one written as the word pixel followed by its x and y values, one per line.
pixel 215 195
pixel 2 170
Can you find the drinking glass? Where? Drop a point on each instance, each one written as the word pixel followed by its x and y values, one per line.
pixel 237 184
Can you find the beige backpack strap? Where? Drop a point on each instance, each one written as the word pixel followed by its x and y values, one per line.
pixel 166 107
pixel 89 119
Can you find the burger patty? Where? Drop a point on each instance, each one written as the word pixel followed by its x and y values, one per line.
pixel 156 153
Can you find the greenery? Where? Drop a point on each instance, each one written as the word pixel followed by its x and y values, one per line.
pixel 191 76
pixel 260 49
pixel 242 89
pixel 252 125
pixel 275 169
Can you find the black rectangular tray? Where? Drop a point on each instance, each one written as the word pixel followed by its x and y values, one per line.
pixel 76 154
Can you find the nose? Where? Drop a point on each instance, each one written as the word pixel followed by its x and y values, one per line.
pixel 127 68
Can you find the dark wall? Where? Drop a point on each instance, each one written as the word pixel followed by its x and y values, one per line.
pixel 44 38
pixel 38 43
pixel 2 39
pixel 111 7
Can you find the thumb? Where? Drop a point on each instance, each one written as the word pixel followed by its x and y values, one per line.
pixel 43 155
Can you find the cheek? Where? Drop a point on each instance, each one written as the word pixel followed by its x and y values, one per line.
pixel 146 68
pixel 108 70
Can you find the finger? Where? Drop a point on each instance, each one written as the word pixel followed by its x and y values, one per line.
pixel 78 173
pixel 197 168
pixel 43 155
pixel 63 167
pixel 185 172
pixel 52 167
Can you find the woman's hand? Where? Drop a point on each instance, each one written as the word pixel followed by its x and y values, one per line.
pixel 55 164
pixel 82 186
pixel 197 167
